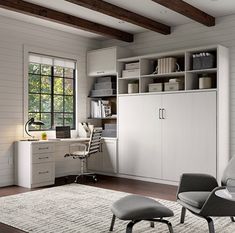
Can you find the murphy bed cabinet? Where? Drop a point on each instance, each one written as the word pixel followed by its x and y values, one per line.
pixel 177 135
pixel 104 63
pixel 164 134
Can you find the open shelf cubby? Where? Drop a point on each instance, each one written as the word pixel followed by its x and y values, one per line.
pixel 185 66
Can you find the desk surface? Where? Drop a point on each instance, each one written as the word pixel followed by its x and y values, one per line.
pixel 58 140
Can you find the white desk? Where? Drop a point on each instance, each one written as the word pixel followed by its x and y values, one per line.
pixel 37 163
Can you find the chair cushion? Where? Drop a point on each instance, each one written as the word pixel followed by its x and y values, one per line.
pixel 80 154
pixel 195 199
pixel 135 207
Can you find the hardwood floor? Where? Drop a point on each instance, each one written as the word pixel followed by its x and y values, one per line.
pixel 162 191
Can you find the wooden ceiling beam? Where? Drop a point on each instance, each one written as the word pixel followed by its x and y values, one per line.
pixel 123 14
pixel 65 19
pixel 188 10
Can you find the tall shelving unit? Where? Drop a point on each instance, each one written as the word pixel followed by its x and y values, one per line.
pixel 103 63
pixel 218 93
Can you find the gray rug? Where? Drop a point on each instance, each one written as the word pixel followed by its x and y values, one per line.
pixel 83 209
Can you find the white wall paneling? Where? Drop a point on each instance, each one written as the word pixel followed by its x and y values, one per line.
pixel 14 36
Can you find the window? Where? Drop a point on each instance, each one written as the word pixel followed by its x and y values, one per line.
pixel 51 91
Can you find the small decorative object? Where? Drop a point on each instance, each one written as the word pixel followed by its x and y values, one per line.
pixel 167 65
pixel 203 60
pixel 205 82
pixel 133 88
pixel 44 136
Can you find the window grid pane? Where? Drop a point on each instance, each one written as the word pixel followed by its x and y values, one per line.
pixel 51 95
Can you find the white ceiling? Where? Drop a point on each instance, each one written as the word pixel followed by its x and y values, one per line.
pixel 146 8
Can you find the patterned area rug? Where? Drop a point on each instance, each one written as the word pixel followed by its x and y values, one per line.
pixel 83 209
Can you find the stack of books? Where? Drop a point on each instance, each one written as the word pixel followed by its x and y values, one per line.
pixel 100 109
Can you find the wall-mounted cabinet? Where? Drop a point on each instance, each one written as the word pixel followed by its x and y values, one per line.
pixel 102 86
pixel 102 62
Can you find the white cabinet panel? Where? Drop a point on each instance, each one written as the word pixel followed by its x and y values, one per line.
pixel 102 62
pixel 43 172
pixel 139 146
pixel 109 153
pixel 106 160
pixel 203 135
pixel 95 162
pixel 189 134
pixel 65 165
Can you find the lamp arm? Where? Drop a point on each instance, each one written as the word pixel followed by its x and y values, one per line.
pixel 25 127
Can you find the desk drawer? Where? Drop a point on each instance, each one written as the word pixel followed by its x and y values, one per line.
pixel 40 148
pixel 43 158
pixel 43 172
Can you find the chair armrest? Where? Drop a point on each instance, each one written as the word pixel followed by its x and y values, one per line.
pixel 196 182
pixel 218 206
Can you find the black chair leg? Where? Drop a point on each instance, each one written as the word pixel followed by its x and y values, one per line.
pixel 161 220
pixel 152 224
pixel 232 219
pixel 112 223
pixel 130 225
pixel 183 212
pixel 210 225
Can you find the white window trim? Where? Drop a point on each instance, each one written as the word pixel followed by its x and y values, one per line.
pixel 31 49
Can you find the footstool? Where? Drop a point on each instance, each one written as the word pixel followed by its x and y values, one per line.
pixel 135 208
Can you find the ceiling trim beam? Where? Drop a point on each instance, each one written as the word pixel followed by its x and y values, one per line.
pixel 188 10
pixel 65 19
pixel 123 14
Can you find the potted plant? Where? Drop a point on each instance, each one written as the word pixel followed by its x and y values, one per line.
pixel 44 136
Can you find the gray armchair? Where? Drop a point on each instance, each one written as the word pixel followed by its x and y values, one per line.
pixel 197 193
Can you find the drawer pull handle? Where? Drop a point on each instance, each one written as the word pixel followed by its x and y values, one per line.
pixel 43 148
pixel 43 157
pixel 40 173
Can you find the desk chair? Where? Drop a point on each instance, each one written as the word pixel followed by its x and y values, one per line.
pixel 83 152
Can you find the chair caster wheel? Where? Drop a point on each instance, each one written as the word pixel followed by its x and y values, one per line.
pixel 94 179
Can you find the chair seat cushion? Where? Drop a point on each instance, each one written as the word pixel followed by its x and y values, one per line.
pixel 195 199
pixel 135 207
pixel 80 154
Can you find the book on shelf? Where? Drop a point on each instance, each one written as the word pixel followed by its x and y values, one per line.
pixel 100 108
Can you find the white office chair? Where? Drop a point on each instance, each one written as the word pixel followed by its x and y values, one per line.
pixel 83 152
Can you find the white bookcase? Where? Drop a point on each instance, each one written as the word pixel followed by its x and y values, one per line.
pixel 164 134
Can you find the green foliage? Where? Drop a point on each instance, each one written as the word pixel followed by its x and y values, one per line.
pixel 41 93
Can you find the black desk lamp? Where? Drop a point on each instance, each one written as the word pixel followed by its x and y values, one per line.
pixel 31 121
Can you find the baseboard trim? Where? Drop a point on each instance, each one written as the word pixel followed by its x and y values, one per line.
pixel 159 181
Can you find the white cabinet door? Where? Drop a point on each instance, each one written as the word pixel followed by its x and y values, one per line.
pixel 109 154
pixel 203 133
pixel 94 162
pixel 139 141
pixel 189 134
pixel 101 62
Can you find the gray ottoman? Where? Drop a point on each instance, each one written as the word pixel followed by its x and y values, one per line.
pixel 135 208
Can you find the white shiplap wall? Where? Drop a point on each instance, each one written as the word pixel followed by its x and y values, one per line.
pixel 14 35
pixel 191 35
